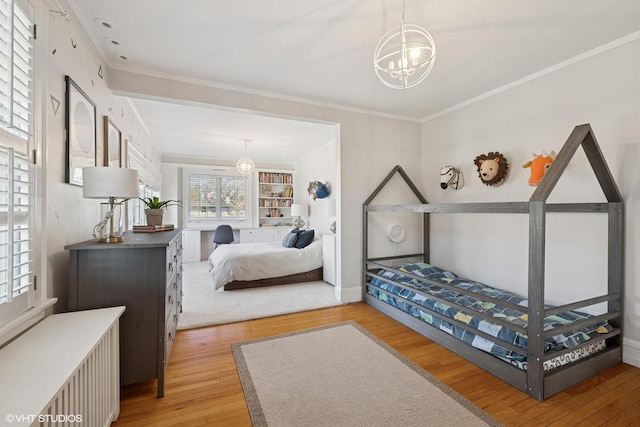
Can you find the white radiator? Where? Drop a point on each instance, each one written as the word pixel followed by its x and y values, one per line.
pixel 65 371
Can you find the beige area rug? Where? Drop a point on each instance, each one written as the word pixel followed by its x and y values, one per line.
pixel 342 375
pixel 204 306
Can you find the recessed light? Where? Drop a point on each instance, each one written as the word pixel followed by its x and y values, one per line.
pixel 104 24
pixel 113 42
pixel 122 57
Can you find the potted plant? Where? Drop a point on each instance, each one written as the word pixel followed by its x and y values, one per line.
pixel 155 208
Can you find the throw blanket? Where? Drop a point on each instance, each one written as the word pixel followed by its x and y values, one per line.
pixel 254 261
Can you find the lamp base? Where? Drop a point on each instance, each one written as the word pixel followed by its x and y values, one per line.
pixel 298 222
pixel 111 239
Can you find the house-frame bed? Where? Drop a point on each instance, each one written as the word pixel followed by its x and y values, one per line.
pixel 533 379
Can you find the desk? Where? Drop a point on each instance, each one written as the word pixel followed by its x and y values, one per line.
pixel 198 243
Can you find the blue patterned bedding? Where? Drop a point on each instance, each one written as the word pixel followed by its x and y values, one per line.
pixel 420 292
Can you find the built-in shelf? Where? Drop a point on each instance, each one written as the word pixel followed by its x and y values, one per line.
pixel 275 197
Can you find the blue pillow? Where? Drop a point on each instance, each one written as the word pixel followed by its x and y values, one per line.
pixel 304 239
pixel 289 240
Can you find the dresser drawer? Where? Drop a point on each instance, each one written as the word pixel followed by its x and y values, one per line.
pixel 170 331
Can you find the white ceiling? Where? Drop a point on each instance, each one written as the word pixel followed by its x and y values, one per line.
pixel 322 51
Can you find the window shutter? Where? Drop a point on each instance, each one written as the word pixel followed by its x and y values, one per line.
pixel 17 172
pixel 16 67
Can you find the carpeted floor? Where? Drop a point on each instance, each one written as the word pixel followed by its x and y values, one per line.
pixel 342 375
pixel 203 306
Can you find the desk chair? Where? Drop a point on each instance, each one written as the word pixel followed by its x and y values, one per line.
pixel 223 235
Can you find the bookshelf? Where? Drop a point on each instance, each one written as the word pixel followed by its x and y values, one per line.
pixel 275 196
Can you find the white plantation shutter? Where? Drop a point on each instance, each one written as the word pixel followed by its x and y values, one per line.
pixel 16 67
pixel 17 180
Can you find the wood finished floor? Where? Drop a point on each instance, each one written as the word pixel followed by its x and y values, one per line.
pixel 203 387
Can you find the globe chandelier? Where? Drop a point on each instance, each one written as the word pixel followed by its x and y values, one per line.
pixel 404 55
pixel 245 165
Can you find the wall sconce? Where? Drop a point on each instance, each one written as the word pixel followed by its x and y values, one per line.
pixel 110 183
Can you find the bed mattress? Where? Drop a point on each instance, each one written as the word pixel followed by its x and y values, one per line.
pixel 420 292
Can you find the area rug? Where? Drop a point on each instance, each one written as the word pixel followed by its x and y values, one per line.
pixel 204 306
pixel 342 375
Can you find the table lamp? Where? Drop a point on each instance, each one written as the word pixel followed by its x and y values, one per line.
pixel 298 210
pixel 111 183
pixel 331 213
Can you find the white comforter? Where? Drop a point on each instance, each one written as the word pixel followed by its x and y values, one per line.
pixel 253 261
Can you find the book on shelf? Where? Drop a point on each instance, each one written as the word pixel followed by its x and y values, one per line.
pixel 152 228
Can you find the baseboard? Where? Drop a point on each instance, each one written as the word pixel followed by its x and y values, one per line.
pixel 349 295
pixel 631 352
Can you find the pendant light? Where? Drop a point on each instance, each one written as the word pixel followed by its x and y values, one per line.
pixel 404 56
pixel 245 165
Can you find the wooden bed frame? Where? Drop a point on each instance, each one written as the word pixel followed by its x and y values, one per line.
pixel 534 381
pixel 309 276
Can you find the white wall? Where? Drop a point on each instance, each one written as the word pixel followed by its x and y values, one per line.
pixel 603 90
pixel 320 165
pixel 69 217
pixel 370 146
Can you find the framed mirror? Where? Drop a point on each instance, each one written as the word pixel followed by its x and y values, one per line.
pixel 112 144
pixel 80 126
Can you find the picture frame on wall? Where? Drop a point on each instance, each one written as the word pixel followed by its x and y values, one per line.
pixel 80 127
pixel 112 144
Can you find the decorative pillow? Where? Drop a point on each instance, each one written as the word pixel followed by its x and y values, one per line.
pixel 304 239
pixel 289 240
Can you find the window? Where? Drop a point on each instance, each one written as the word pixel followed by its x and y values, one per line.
pixel 217 197
pixel 17 171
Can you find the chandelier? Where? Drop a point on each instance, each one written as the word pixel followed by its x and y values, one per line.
pixel 245 165
pixel 404 56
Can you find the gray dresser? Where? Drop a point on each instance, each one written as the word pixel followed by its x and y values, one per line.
pixel 143 273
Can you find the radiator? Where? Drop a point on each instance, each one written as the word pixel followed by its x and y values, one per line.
pixel 90 392
pixel 73 359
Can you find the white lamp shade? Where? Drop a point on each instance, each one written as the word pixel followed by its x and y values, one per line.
pixel 299 209
pixel 103 182
pixel 331 207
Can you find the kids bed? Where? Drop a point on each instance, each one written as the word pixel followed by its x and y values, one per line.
pixel 537 348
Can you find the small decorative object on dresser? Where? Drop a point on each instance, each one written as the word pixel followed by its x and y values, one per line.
pixel 155 208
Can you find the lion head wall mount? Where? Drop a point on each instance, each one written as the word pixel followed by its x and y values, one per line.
pixel 492 168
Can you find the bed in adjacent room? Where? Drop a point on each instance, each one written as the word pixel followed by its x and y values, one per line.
pixel 245 265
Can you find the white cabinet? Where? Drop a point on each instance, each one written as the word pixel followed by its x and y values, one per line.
pixel 191 246
pixel 262 235
pixel 250 235
pixel 329 258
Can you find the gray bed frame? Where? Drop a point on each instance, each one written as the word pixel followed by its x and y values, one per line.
pixel 534 381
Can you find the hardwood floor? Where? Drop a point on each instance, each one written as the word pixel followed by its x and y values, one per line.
pixel 203 387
